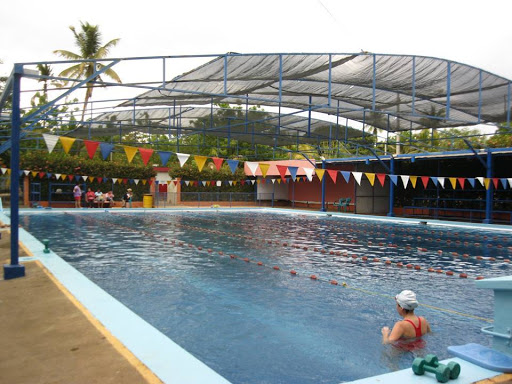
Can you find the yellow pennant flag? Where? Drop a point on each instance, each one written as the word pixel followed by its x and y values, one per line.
pixel 91 178
pixel 234 182
pixel 413 180
pixel 66 142
pixel 200 161
pixel 130 152
pixel 264 168
pixel 34 173
pixel 371 178
pixel 487 183
pixel 144 181
pixel 278 181
pixel 63 177
pixel 320 173
pixel 453 181
pixel 258 181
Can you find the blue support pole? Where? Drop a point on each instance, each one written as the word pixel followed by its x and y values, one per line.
pixel 391 187
pixel 14 270
pixel 490 191
pixel 323 188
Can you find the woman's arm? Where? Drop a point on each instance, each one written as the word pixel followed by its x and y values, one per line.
pixel 392 336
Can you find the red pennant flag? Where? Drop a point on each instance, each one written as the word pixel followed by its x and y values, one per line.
pixel 333 173
pixel 125 181
pixel 100 179
pixel 91 147
pixel 263 181
pixel 150 181
pixel 461 181
pixel 382 178
pixel 218 162
pixel 146 154
pixel 242 182
pixel 424 180
pixel 175 182
pixel 71 177
pixel 282 171
pixel 41 174
pixel 495 182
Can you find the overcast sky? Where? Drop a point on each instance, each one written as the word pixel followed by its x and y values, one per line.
pixel 477 33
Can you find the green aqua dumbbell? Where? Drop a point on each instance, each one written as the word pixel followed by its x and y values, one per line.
pixel 442 372
pixel 452 365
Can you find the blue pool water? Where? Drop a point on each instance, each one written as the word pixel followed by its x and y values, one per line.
pixel 254 324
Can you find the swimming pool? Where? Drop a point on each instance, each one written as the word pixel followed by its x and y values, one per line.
pixel 254 324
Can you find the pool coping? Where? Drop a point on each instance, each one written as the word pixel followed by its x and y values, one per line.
pixel 165 358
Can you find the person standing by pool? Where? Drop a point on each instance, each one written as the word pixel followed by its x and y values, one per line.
pixel 77 193
pixel 127 198
pixel 412 327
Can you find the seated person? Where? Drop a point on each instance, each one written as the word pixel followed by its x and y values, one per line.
pixel 99 198
pixel 109 198
pixel 411 327
pixel 89 198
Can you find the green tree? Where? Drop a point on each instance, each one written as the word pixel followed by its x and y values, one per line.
pixel 88 41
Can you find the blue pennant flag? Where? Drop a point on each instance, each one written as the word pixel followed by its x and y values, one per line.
pixel 471 181
pixel 49 175
pixel 504 183
pixel 106 148
pixel 293 172
pixel 77 177
pixel 233 164
pixel 393 178
pixel 434 180
pixel 164 157
pixel 346 176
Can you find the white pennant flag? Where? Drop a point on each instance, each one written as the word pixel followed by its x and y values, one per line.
pixel 273 181
pixel 136 181
pixel 26 173
pixel 182 157
pixel 204 183
pixel 510 182
pixel 253 166
pixel 358 176
pixel 85 177
pixel 57 175
pixel 405 180
pixel 51 141
pixel 309 173
pixel 219 183
pixel 230 182
pixel 481 180
pixel 441 181
pixel 187 183
pixel 114 180
pixel 253 181
pixel 4 170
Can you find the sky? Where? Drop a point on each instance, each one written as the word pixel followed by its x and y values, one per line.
pixel 477 33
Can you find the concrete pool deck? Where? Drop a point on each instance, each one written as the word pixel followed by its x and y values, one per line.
pixel 52 332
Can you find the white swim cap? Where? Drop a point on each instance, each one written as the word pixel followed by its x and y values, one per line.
pixel 407 300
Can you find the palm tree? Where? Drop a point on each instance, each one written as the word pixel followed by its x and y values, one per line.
pixel 89 43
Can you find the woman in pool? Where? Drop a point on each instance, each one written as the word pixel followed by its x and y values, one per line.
pixel 408 331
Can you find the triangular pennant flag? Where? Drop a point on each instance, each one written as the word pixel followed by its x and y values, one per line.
pixel 136 181
pixel 48 174
pixel 394 179
pixel 130 152
pixel 51 141
pixel 274 181
pixel 346 175
pixel 84 178
pixel 504 183
pixel 293 172
pixel 253 166
pixel 106 148
pixel 20 173
pixel 63 177
pixel 218 162
pixel 57 176
pixel 279 181
pixel 200 161
pixel 91 178
pixel 481 180
pixel 382 178
pixel 264 168
pixel 187 183
pixel 434 180
pixel 461 181
pixel 182 157
pixel 510 181
pixel 309 173
pixel 205 183
pixel 67 143
pixel 258 181
pixel 441 181
pixel 164 157
pixel 405 180
pixel 252 181
pixel 41 174
pixel 219 183
pixel 358 176
pixel 114 180
pixel 33 173
pixel 413 179
pixel 230 182
pixel 495 181
pixel 233 164
pixel 471 181
pixel 282 170
pixel 100 179
pixel 5 170
pixel 371 177
pixel 146 154
pixel 320 173
pixel 453 182
pixel 333 174
pixel 26 173
pixel 77 178
pixel 424 181
pixel 71 177
pixel 91 147
pixel 487 183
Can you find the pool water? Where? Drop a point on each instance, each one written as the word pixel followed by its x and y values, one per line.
pixel 194 275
